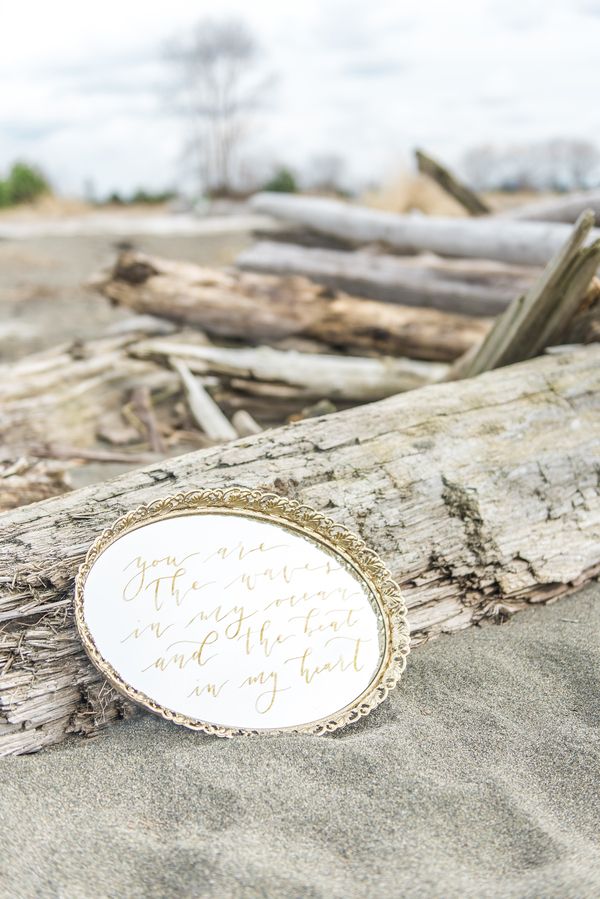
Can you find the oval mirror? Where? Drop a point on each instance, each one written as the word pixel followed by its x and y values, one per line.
pixel 240 612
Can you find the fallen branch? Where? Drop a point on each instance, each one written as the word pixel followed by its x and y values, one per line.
pixel 566 208
pixel 267 309
pixel 467 286
pixel 207 414
pixel 482 496
pixel 513 242
pixel 244 424
pixel 467 198
pixel 350 378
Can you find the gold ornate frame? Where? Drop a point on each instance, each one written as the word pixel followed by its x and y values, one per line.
pixel 293 516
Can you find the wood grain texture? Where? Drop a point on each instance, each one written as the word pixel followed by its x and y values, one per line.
pixel 24 480
pixel 481 496
pixel 317 376
pixel 266 309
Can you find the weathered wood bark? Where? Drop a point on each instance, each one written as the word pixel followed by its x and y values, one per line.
pixel 467 198
pixel 70 402
pixel 60 395
pixel 544 315
pixel 207 414
pixel 266 309
pixel 312 375
pixel 26 480
pixel 467 286
pixel 566 208
pixel 514 242
pixel 481 496
pixel 244 424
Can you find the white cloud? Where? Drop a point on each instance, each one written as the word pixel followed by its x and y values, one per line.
pixel 83 93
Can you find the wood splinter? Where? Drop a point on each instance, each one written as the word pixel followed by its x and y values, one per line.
pixel 207 414
pixel 543 316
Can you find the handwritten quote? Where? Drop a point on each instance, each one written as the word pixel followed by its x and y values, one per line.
pixel 234 621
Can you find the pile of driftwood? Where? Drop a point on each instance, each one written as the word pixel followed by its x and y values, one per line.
pixel 478 487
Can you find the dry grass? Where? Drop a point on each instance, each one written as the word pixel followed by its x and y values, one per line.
pixel 409 192
pixel 53 207
pixel 47 206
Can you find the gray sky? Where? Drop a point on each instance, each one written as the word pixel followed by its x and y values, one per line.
pixel 83 85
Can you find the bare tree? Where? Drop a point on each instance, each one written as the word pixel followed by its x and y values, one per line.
pixel 218 85
pixel 558 164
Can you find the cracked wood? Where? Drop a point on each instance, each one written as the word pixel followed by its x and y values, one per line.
pixel 266 309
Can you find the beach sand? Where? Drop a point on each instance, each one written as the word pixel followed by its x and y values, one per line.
pixel 43 297
pixel 479 777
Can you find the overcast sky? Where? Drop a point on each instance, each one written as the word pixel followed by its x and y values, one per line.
pixel 83 85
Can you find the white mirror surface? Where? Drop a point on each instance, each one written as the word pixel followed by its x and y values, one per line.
pixel 234 621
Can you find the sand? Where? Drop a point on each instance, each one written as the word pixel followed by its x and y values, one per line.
pixel 479 777
pixel 43 298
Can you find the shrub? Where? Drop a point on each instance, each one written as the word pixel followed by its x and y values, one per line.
pixel 283 182
pixel 4 195
pixel 25 183
pixel 151 197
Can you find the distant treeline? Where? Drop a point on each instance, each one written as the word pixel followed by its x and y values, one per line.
pixel 23 184
pixel 282 180
pixel 140 196
pixel 559 165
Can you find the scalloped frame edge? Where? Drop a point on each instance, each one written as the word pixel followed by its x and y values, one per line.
pixel 297 517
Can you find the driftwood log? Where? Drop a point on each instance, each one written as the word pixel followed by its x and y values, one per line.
pixel 467 286
pixel 353 379
pixel 266 309
pixel 442 176
pixel 481 496
pixel 513 242
pixel 565 208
